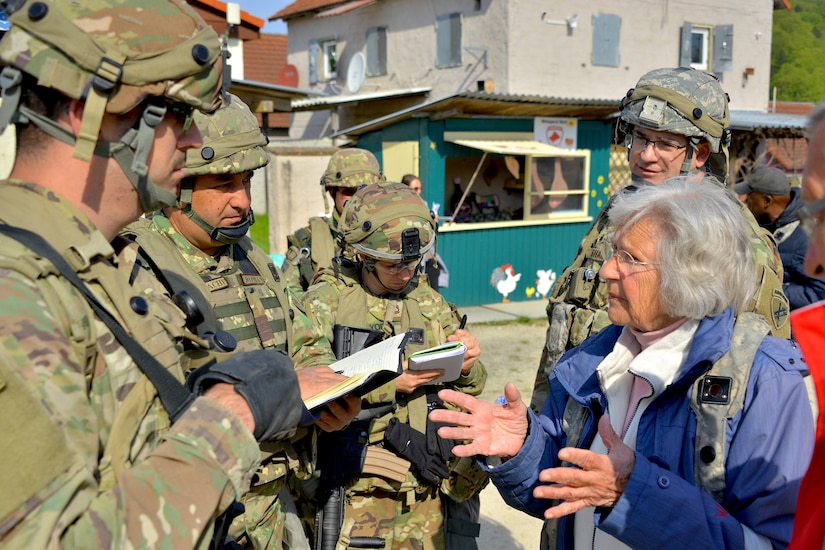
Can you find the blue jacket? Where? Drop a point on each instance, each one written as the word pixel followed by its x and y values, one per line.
pixel 800 288
pixel 768 446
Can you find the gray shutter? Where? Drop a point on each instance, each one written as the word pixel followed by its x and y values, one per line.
pixel 377 51
pixel 314 60
pixel 606 33
pixel 448 40
pixel 722 48
pixel 686 43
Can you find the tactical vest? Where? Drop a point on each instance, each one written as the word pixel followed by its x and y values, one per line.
pixel 312 248
pixel 718 396
pixel 248 300
pixel 401 315
pixel 578 303
pixel 118 391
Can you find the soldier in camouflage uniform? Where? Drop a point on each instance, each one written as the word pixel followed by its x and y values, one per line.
pixel 103 446
pixel 312 248
pixel 676 121
pixel 205 241
pixel 400 491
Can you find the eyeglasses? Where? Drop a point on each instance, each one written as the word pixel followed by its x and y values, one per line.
pixel 638 142
pixel 399 267
pixel 182 113
pixel 806 216
pixel 346 191
pixel 625 259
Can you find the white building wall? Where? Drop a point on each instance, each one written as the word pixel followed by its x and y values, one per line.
pixel 506 44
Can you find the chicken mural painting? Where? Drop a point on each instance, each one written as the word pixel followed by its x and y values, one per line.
pixel 544 283
pixel 504 279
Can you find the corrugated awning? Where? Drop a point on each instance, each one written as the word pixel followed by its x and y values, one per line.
pixel 507 147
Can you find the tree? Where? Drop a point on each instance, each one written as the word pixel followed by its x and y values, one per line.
pixel 797 70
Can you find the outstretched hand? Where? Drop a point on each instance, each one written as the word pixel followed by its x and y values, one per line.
pixel 599 479
pixel 492 430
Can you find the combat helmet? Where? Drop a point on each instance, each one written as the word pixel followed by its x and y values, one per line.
pixel 232 144
pixel 387 221
pixel 101 53
pixel 682 101
pixel 352 168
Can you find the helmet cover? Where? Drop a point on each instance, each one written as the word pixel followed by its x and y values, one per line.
pixel 380 218
pixel 682 101
pixel 232 142
pixel 352 168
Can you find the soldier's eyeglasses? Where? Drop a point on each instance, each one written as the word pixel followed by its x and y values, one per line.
pixel 183 114
pixel 807 216
pixel 638 142
pixel 411 265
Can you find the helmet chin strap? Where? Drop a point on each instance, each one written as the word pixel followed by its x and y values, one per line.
pixel 229 234
pixel 688 162
pixel 131 153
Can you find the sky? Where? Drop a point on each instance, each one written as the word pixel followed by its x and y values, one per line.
pixel 265 8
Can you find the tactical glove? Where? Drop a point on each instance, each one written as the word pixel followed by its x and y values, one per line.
pixel 267 380
pixel 412 445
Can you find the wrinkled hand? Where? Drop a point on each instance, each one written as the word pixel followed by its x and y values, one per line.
pixel 336 415
pixel 412 379
pixel 493 430
pixel 599 479
pixel 473 349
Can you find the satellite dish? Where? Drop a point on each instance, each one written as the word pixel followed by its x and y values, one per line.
pixel 356 72
pixel 288 76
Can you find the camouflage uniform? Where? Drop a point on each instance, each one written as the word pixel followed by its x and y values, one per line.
pixel 686 102
pixel 250 302
pixel 393 500
pixel 312 248
pixel 91 457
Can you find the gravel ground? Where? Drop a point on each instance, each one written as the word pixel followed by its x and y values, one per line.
pixel 511 352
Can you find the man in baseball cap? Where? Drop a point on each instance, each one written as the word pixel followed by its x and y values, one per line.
pixel 766 180
pixel 774 203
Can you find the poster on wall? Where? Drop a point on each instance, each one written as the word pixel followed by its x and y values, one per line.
pixel 559 132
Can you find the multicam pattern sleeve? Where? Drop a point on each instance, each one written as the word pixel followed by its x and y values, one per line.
pixel 89 457
pixel 180 480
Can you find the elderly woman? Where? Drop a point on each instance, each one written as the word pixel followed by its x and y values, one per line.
pixel 687 427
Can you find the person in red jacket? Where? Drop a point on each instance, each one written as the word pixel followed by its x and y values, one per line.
pixel 807 324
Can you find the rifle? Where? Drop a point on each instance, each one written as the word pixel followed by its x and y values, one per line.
pixel 346 451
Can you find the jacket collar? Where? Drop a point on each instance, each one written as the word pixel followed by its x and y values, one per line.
pixel 576 371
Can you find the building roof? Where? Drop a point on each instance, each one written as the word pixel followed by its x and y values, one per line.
pixel 263 61
pixel 768 123
pixel 467 104
pixel 302 7
pixel 214 13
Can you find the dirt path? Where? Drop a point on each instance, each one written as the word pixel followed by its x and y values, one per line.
pixel 511 353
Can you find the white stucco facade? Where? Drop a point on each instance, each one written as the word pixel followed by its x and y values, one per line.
pixel 526 47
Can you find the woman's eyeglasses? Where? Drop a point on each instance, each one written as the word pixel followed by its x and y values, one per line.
pixel 625 259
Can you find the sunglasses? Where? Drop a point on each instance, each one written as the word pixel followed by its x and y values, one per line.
pixel 183 114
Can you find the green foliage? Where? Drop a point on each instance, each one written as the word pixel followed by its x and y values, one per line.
pixel 259 232
pixel 797 69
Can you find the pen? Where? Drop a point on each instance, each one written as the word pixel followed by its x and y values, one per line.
pixel 463 322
